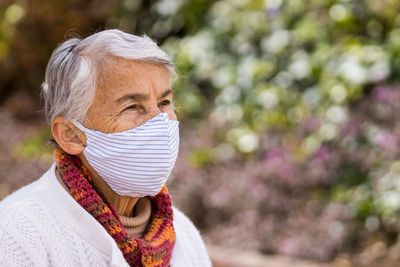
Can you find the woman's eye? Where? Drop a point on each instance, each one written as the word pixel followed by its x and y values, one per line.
pixel 164 103
pixel 132 107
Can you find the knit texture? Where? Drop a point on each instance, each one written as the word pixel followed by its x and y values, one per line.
pixel 42 225
pixel 155 248
pixel 136 224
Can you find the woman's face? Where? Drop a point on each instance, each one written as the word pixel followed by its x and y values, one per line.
pixel 128 94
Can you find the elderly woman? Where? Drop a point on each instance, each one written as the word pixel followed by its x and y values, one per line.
pixel 109 102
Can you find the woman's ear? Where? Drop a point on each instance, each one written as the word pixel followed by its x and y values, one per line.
pixel 67 136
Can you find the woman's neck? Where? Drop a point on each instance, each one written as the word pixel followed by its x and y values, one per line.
pixel 123 204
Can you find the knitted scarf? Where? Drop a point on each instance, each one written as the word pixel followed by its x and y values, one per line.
pixel 155 248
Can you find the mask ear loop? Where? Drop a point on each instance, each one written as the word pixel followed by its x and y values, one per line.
pixel 80 127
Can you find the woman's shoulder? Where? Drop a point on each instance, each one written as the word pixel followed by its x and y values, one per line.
pixel 25 208
pixel 182 222
pixel 17 225
pixel 190 249
pixel 16 202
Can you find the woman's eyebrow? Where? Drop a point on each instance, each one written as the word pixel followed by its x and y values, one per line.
pixel 138 97
pixel 166 93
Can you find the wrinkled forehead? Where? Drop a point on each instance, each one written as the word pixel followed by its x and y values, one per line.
pixel 118 76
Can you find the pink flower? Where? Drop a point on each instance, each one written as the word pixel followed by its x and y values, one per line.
pixel 389 141
pixel 322 153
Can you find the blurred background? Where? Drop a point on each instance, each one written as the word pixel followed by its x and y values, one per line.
pixel 289 115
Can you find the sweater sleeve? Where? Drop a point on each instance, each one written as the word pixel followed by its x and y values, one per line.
pixel 189 249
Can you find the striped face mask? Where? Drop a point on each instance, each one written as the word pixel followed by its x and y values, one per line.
pixel 136 162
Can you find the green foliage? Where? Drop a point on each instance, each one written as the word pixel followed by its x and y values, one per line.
pixel 36 146
pixel 260 66
pixel 201 157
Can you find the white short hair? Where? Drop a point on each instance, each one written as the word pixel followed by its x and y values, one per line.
pixel 71 74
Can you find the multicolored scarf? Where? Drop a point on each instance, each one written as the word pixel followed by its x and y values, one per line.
pixel 155 248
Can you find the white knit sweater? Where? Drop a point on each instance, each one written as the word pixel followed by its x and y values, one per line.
pixel 42 225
